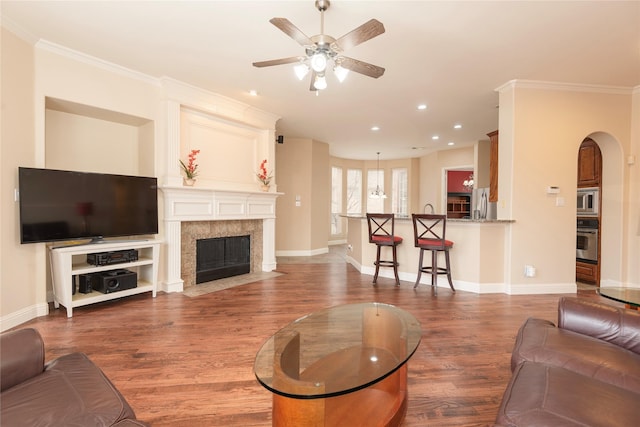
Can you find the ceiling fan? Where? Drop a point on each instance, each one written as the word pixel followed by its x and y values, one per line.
pixel 322 49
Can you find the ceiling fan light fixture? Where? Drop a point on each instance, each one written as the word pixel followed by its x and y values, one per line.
pixel 320 83
pixel 319 62
pixel 340 72
pixel 301 71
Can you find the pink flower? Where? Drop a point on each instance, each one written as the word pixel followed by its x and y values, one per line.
pixel 263 175
pixel 190 169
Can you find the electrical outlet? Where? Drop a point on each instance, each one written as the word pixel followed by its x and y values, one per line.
pixel 529 271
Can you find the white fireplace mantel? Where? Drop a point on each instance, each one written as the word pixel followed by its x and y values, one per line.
pixel 205 204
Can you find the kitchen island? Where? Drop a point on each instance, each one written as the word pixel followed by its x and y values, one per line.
pixel 477 256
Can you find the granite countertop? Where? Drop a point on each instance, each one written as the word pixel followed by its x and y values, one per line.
pixel 456 220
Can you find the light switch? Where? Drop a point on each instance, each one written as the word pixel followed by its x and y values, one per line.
pixel 559 201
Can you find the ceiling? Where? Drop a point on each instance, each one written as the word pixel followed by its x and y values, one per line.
pixel 450 55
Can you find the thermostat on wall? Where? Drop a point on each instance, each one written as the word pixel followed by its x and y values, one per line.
pixel 552 189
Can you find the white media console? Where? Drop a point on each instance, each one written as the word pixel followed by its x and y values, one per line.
pixel 68 262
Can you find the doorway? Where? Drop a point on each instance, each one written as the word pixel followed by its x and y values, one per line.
pixel 459 187
pixel 588 214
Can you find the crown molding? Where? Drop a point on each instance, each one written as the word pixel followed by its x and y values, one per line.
pixel 193 97
pixel 17 29
pixel 567 87
pixel 93 61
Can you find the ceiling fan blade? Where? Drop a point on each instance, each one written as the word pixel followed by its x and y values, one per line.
pixel 361 67
pixel 364 32
pixel 291 30
pixel 280 61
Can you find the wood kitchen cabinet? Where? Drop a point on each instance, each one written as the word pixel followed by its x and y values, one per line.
pixel 493 166
pixel 458 206
pixel 586 272
pixel 589 164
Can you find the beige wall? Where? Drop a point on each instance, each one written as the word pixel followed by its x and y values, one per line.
pixel 18 277
pixel 541 128
pixel 320 198
pixel 81 143
pixel 632 196
pixel 303 174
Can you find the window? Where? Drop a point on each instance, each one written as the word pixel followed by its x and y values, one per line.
pixel 375 184
pixel 336 200
pixel 354 191
pixel 399 191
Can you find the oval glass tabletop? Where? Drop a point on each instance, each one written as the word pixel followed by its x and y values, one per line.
pixel 337 350
pixel 625 295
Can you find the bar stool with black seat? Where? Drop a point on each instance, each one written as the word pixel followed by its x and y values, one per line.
pixel 382 233
pixel 429 235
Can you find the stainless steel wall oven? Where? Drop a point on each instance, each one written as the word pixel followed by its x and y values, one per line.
pixel 587 240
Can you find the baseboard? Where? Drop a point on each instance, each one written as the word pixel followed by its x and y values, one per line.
pixel 171 287
pixel 21 316
pixel 541 288
pixel 312 252
pixel 477 288
pixel 337 242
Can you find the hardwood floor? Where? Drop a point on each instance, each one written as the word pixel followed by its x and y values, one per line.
pixel 183 361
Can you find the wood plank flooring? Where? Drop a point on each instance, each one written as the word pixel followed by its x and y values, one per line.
pixel 183 361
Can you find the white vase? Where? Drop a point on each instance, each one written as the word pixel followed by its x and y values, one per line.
pixel 189 182
pixel 265 187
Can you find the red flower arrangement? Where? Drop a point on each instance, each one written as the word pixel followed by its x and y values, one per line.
pixel 190 169
pixel 263 175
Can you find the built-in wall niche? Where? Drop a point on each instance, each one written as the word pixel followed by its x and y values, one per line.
pixel 230 152
pixel 87 138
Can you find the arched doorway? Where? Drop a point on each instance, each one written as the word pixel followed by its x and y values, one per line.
pixel 589 183
pixel 611 237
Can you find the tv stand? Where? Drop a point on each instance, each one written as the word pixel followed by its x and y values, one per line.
pixel 67 262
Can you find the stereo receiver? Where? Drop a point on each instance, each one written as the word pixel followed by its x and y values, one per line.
pixel 113 257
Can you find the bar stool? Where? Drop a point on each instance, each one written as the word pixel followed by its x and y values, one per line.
pixel 429 235
pixel 381 233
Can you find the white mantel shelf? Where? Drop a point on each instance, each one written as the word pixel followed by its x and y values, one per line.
pixel 207 204
pixel 182 203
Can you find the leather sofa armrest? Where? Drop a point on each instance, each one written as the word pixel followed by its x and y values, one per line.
pixel 616 325
pixel 21 357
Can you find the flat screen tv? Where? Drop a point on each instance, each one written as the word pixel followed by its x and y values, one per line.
pixel 58 205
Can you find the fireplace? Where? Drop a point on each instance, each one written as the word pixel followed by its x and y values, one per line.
pixel 197 213
pixel 213 234
pixel 222 257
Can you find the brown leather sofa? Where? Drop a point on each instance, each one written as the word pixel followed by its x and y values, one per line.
pixel 68 391
pixel 584 372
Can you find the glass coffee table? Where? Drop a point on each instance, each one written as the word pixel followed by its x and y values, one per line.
pixel 340 366
pixel 629 296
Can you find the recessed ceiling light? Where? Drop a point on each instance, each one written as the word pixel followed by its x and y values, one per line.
pixel 375 128
pixel 253 92
pixel 457 126
pixel 435 137
pixel 422 107
pixel 451 143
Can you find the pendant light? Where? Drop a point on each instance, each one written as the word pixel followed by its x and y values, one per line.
pixel 378 193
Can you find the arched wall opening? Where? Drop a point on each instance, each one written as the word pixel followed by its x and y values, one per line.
pixel 612 216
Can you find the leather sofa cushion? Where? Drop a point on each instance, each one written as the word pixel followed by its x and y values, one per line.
pixel 71 392
pixel 542 395
pixel 540 341
pixel 616 325
pixel 22 356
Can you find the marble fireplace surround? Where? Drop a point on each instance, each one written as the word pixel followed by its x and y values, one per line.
pixel 192 213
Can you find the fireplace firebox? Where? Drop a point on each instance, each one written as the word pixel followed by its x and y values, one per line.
pixel 221 257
